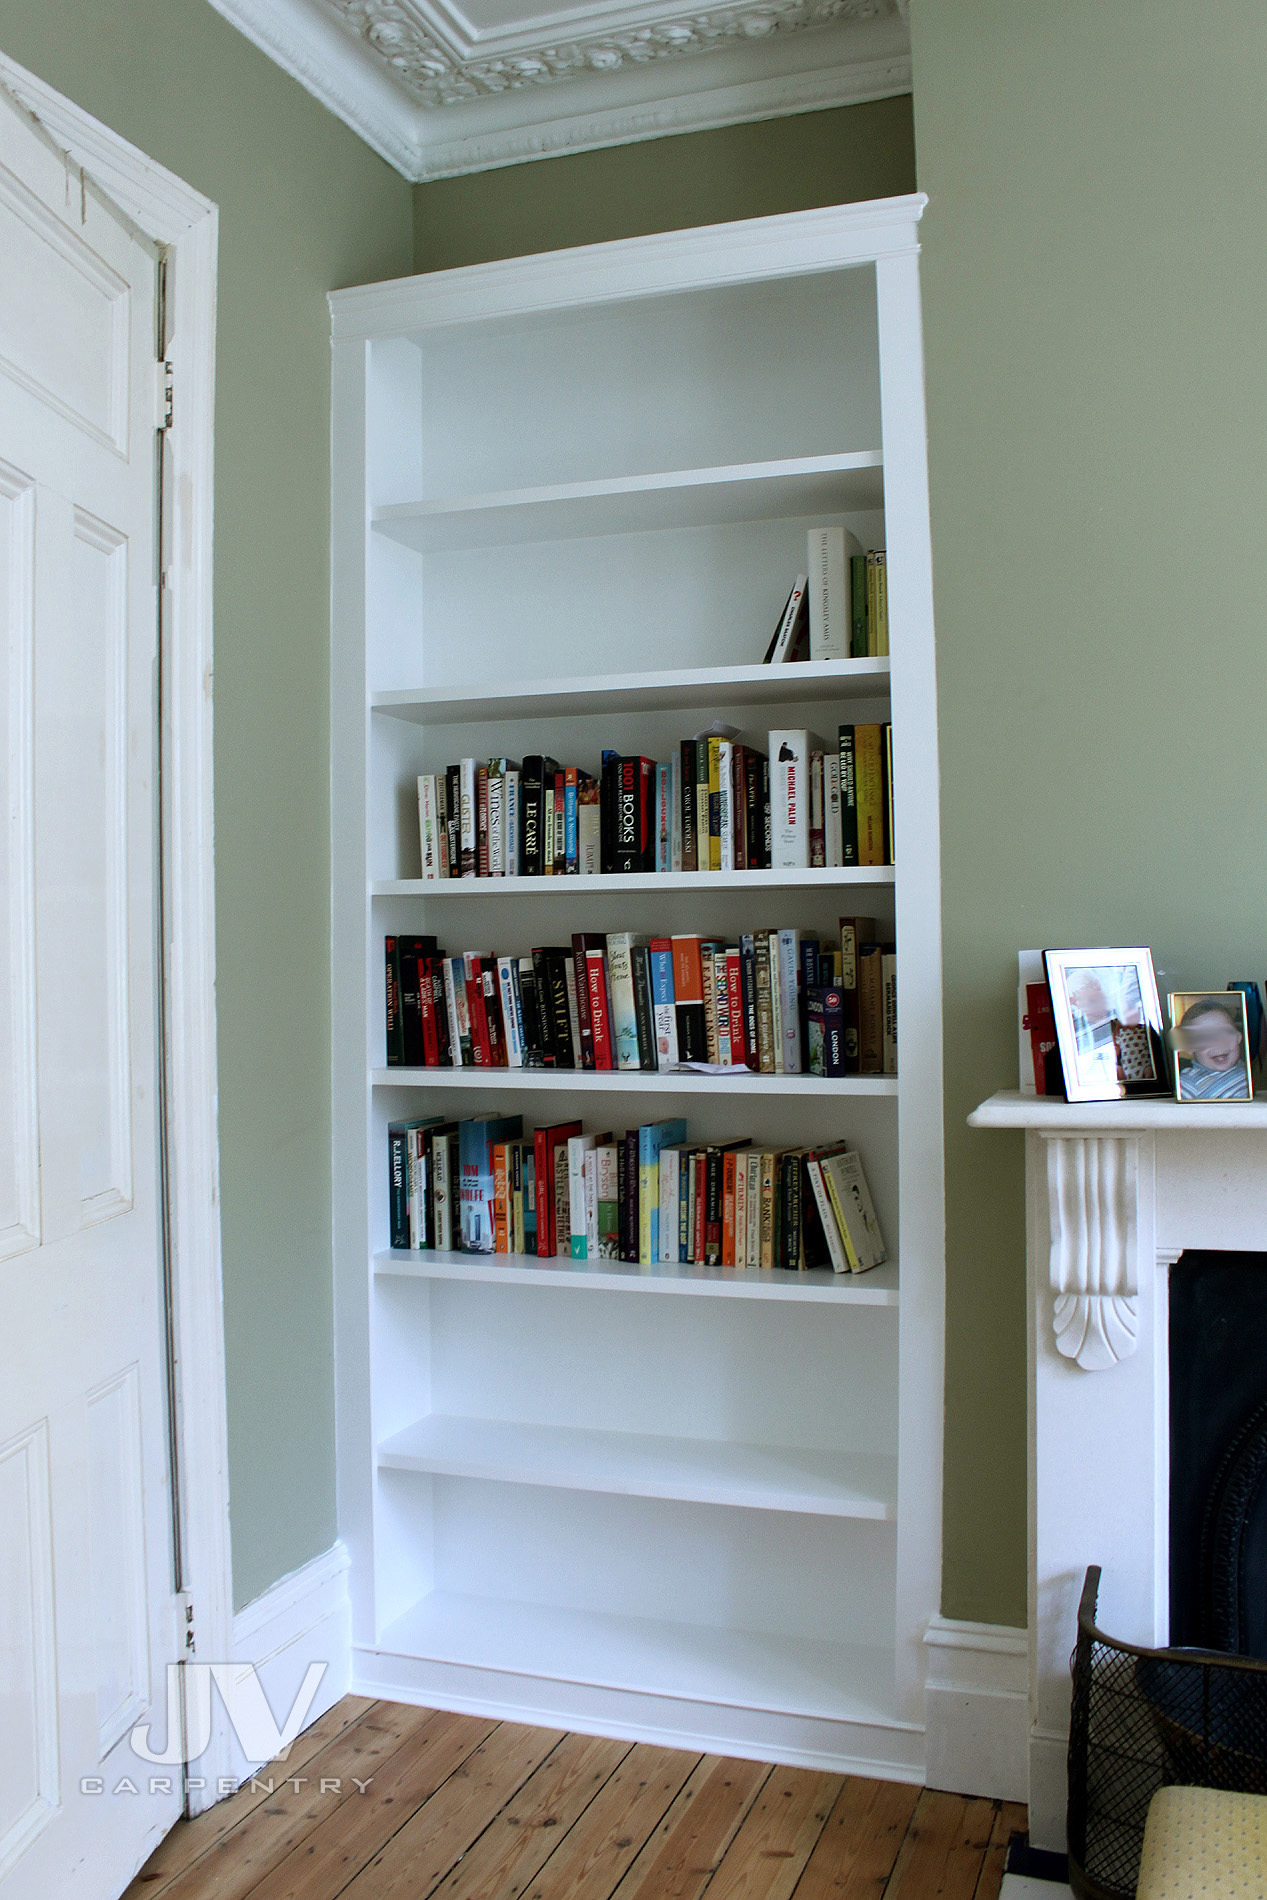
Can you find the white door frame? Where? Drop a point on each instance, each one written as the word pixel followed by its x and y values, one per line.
pixel 174 215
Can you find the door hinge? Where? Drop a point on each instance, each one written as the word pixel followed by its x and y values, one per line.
pixel 185 1623
pixel 163 396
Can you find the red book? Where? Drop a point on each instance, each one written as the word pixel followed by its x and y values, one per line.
pixel 728 1209
pixel 546 1143
pixel 481 794
pixel 481 1048
pixel 584 1019
pixel 734 997
pixel 600 1006
pixel 1042 1030
pixel 427 1001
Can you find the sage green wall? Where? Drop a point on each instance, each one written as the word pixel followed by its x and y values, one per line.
pixel 304 207
pixel 742 171
pixel 1095 292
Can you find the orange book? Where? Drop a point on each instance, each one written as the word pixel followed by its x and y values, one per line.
pixel 869 784
pixel 729 1161
pixel 501 1199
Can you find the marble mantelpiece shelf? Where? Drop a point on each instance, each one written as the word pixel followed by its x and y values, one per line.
pixel 1010 1109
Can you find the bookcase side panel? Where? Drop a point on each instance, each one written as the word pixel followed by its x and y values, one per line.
pixel 918 913
pixel 352 997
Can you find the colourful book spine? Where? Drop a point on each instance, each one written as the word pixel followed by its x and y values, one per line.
pixel 663 1010
pixel 869 793
pixel 620 948
pixel 858 606
pixel 571 834
pixel 651 1138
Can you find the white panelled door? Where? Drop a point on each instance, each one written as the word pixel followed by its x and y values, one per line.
pixel 88 1610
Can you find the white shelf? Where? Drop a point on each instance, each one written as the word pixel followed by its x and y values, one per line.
pixel 637 504
pixel 632 1082
pixel 1049 1115
pixel 736 1668
pixel 685 689
pixel 645 1465
pixel 877 1288
pixel 667 883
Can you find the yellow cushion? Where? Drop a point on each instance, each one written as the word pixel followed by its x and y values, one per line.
pixel 1202 1844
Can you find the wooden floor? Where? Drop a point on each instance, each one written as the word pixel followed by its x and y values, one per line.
pixel 380 1800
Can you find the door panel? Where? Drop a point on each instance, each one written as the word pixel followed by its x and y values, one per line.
pixel 88 1610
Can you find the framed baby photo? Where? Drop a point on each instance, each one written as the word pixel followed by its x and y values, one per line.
pixel 1209 1040
pixel 1108 1023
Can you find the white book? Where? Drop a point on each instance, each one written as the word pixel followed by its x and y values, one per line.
pixel 428 827
pixel 496 824
pixel 670 1169
pixel 510 823
pixel 790 749
pixel 855 1214
pixel 442 1149
pixel 726 803
pixel 589 839
pixel 829 600
pixel 455 1014
pixel 789 1014
pixel 468 818
pixel 776 1012
pixel 664 827
pixel 512 1010
pixel 624 1023
pixel 578 1227
pixel 591 1204
pixel 782 643
pixel 834 852
pixel 574 1019
pixel 417 1187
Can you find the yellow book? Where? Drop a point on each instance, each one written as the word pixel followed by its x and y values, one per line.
pixel 767 1211
pixel 714 804
pixel 869 792
pixel 842 1225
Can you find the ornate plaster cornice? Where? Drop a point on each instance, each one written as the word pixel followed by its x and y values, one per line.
pixel 436 94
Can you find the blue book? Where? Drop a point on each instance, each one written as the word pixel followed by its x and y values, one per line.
pixel 530 1200
pixel 570 852
pixel 475 1170
pixel 652 1136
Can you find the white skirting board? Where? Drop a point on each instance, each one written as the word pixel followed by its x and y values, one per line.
pixel 977 1709
pixel 303 1618
pixel 887 1751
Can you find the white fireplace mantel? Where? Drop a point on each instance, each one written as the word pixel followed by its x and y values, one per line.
pixel 1116 1192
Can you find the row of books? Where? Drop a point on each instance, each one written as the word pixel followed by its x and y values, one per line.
pixel 779 1002
pixel 840 609
pixel 720 804
pixel 648 1196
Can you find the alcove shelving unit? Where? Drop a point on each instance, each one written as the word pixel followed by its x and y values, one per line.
pixel 569 495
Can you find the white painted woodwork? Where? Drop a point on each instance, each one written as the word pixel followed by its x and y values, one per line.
pixel 88 1612
pixel 439 88
pixel 716 1520
pixel 1099 1485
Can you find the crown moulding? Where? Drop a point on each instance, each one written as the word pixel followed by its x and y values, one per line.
pixel 436 92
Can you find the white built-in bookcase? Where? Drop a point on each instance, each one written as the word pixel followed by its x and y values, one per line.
pixel 570 494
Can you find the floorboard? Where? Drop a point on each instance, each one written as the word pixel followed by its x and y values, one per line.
pixel 381 1802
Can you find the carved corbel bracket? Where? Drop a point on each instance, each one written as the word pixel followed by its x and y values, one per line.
pixel 1093 1205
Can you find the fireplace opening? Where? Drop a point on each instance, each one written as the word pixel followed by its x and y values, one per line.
pixel 1218 1452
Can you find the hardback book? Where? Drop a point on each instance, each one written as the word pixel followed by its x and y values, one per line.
pixel 670 1164
pixel 481 819
pixel 501 1196
pixel 870 1009
pixel 707 951
pixel 581 945
pixel 644 1014
pixel 735 1009
pixel 496 825
pixel 398 1182
pixel 790 628
pixel 854 932
pixel 714 802
pixel 652 1137
pixel 888 978
pixel 854 1210
pixel 686 792
pixel 869 792
pixel 536 770
pixel 599 1003
pixel 557 965
pixel 807 979
pixel 675 812
pixel 776 1002
pixel 790 751
pixel 475 1159
pixel 468 817
pixel 833 853
pixel 530 1197
pixel 579 1146
pixel 429 826
pixel 447 1217
pixel 721 1004
pixel 858 643
pixel 530 1010
pixel 817 813
pixel 877 604
pixel 590 1184
pixel 511 816
pixel 512 1010
pixel 889 853
pixel 481 1049
pixel 571 849
pixel 395 1023
pixel 688 999
pixel 547 825
pixel 824 1008
pixel 627 1175
pixel 748 1000
pixel 663 1008
pixel 546 1144
pixel 562 1207
pixel 620 976
pixel 573 1006
pixel 702 834
pixel 725 805
pixel 830 616
pixel 766 1046
pixel 663 839
pixel 458 1001
pixel 1036 1025
pixel 789 954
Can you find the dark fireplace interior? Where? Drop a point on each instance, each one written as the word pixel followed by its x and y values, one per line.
pixel 1218 1452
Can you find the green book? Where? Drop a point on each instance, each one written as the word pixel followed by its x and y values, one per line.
pixel 857 609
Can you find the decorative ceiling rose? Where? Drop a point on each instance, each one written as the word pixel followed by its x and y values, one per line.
pixel 435 69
